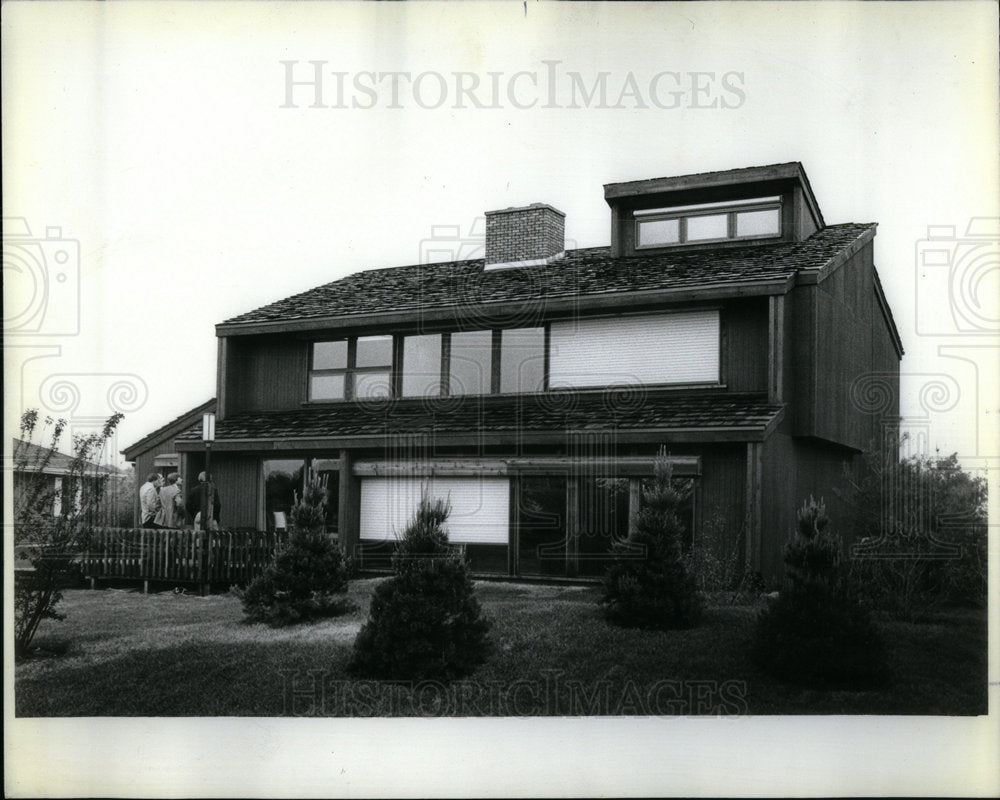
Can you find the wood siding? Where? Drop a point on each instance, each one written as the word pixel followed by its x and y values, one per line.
pixel 794 470
pixel 843 366
pixel 238 479
pixel 744 367
pixel 265 373
pixel 720 497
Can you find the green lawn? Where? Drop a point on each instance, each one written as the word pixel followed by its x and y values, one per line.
pixel 120 652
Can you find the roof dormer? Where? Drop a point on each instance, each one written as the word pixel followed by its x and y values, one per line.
pixel 712 210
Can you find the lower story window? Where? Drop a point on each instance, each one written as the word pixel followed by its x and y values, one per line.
pixel 283 483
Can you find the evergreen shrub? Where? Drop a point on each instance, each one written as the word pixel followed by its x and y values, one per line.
pixel 308 579
pixel 817 632
pixel 425 621
pixel 648 585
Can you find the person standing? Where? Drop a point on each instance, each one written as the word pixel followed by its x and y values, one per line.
pixel 149 500
pixel 195 502
pixel 171 512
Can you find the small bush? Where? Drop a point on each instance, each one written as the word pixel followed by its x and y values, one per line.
pixel 307 579
pixel 716 564
pixel 648 585
pixel 817 632
pixel 425 621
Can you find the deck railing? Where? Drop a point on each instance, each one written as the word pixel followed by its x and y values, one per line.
pixel 183 556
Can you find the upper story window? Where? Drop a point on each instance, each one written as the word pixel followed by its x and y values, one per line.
pixel 328 370
pixel 348 369
pixel 471 363
pixel 522 360
pixel 421 365
pixel 708 222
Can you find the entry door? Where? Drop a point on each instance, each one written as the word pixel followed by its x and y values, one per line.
pixel 542 526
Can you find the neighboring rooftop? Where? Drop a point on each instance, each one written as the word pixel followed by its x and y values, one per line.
pixel 589 272
pixel 33 456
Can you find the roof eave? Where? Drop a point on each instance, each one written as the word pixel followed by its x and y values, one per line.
pixel 515 309
pixel 172 428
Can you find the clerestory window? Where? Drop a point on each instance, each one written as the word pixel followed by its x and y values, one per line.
pixel 757 218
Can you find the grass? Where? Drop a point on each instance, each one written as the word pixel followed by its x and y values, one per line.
pixel 122 653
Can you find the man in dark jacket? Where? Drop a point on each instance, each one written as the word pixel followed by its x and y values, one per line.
pixel 196 500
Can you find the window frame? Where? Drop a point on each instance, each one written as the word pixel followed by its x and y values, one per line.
pixel 683 213
pixel 351 369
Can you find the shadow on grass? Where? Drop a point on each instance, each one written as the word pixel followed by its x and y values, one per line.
pixel 554 653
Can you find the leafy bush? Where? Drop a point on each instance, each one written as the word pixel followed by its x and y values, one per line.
pixel 425 621
pixel 308 578
pixel 648 585
pixel 921 534
pixel 817 632
pixel 716 564
pixel 52 522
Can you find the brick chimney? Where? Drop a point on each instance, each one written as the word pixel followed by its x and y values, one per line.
pixel 524 237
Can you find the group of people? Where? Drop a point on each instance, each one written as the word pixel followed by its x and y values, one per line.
pixel 162 503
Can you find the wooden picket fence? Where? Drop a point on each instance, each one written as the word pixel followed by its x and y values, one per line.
pixel 233 557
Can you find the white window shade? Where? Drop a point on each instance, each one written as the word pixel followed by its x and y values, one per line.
pixel 479 507
pixel 660 349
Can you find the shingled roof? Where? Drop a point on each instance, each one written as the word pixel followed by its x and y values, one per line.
pixel 526 416
pixel 579 273
pixel 31 457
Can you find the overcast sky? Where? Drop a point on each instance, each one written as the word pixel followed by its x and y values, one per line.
pixel 199 183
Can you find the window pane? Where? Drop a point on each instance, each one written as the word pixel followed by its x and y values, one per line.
pixel 327 472
pixel 282 481
pixel 374 351
pixel 370 385
pixel 326 387
pixel 330 355
pixel 659 231
pixel 709 226
pixel 522 360
pixel 471 359
pixel 422 365
pixel 758 223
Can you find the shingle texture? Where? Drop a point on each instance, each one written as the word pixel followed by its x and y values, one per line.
pixel 580 273
pixel 617 408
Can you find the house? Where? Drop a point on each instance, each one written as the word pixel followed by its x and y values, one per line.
pixel 56 483
pixel 727 323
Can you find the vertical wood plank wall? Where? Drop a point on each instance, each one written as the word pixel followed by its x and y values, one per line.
pixel 265 373
pixel 721 492
pixel 841 338
pixel 794 470
pixel 238 479
pixel 745 353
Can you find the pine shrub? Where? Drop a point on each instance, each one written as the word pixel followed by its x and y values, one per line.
pixel 308 579
pixel 817 632
pixel 648 585
pixel 425 621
